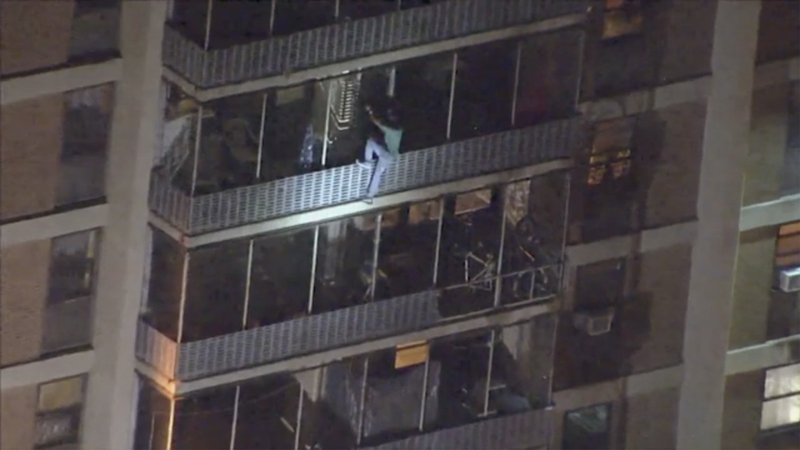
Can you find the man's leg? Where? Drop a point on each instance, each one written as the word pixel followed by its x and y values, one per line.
pixel 375 182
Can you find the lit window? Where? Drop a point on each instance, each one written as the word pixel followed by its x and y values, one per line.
pixel 787 248
pixel 622 18
pixel 58 412
pixel 781 405
pixel 610 155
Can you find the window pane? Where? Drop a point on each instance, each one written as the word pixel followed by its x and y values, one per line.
pixel 152 420
pixel 780 412
pixel 238 22
pixel 782 381
pixel 331 419
pixel 423 94
pixel 267 413
pixel 229 143
pixel 175 158
pixel 281 277
pixel 204 421
pixel 548 77
pixel 95 28
pixel 349 125
pixel 293 130
pixel 72 266
pixel 60 394
pixel 407 249
pixel 190 16
pixel 484 88
pixel 58 428
pixel 521 366
pixel 298 15
pixel 87 120
pixel 166 280
pixel 393 397
pixel 458 373
pixel 344 263
pixel 68 324
pixel 587 428
pixel 357 9
pixel 469 249
pixel 600 284
pixel 215 291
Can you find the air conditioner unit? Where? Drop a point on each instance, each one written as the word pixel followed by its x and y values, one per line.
pixel 790 280
pixel 594 323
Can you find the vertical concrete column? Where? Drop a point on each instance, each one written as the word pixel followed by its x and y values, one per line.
pixel 725 148
pixel 111 396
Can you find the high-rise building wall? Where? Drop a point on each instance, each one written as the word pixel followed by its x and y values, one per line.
pixel 580 245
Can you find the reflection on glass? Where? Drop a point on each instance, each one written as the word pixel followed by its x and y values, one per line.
pixel 469 251
pixel 152 418
pixel 782 381
pixel 407 249
pixel 204 421
pixel 228 153
pixel 280 278
pixel 267 413
pixel 347 121
pixel 215 291
pixel 332 420
pixel 423 94
pixel 483 89
pixel 294 128
pixel 780 412
pixel 344 267
pixel 588 428
pixel 72 266
pixel 87 121
pixel 175 157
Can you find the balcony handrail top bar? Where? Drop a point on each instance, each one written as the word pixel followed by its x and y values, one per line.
pixel 499 317
pixel 356 207
pixel 296 75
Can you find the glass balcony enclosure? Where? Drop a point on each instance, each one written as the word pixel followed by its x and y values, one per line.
pixel 498 245
pixel 282 132
pixel 371 399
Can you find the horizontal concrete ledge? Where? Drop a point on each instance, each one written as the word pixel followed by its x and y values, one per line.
pixel 44 370
pixel 53 225
pixel 610 390
pixel 508 317
pixel 59 80
pixel 617 247
pixel 359 207
pixel 775 212
pixel 379 59
pixel 769 354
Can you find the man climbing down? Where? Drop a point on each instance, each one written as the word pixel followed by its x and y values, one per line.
pixel 386 149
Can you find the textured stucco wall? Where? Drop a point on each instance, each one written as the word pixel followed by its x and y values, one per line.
pixel 35 34
pixel 24 273
pixel 651 420
pixel 17 411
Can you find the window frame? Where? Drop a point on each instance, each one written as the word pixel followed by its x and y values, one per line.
pixel 72 411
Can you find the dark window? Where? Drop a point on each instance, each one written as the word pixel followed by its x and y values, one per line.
pixel 204 421
pixel 267 416
pixel 484 89
pixel 280 278
pixel 152 418
pixel 422 92
pixel 344 267
pixel 87 122
pixel 298 15
pixel 238 22
pixel 588 428
pixel 600 284
pixel 166 281
pixel 95 28
pixel 215 291
pixel 358 9
pixel 407 249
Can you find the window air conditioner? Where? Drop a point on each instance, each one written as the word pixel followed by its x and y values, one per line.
pixel 594 323
pixel 790 280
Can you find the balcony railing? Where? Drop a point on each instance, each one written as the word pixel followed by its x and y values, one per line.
pixel 530 429
pixel 357 38
pixel 324 331
pixel 447 162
